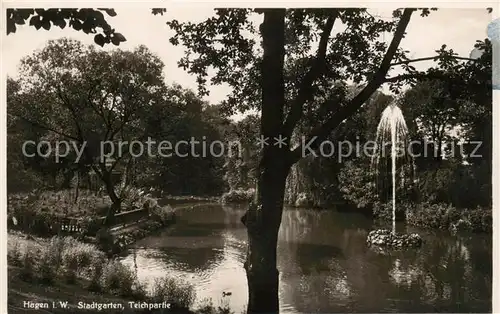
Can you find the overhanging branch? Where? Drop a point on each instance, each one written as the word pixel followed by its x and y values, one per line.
pixel 418 76
pixel 321 132
pixel 41 126
pixel 430 58
pixel 305 91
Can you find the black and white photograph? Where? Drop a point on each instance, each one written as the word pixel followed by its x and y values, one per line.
pixel 201 158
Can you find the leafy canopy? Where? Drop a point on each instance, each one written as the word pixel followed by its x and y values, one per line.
pixel 350 43
pixel 89 21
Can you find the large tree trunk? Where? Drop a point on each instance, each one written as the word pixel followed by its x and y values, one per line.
pixel 263 221
pixel 263 217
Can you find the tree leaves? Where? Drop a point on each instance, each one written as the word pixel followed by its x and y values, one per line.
pixel 157 11
pixel 99 39
pixel 226 43
pixel 425 12
pixel 110 12
pixel 91 90
pixel 117 39
pixel 90 21
pixel 35 21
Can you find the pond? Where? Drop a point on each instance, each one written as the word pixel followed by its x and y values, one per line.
pixel 324 262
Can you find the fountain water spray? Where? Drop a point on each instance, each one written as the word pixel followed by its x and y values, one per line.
pixel 392 126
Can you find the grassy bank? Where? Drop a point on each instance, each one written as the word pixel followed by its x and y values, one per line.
pixel 64 269
pixel 20 291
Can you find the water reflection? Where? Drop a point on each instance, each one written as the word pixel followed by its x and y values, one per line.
pixel 324 263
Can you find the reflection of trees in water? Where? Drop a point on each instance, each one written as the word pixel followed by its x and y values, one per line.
pixel 295 225
pixel 198 242
pixel 443 276
pixel 189 259
pixel 313 278
pixel 233 214
pixel 327 268
pixel 406 276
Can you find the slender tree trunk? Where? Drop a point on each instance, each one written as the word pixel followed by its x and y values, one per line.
pixel 116 201
pixel 68 177
pixel 77 188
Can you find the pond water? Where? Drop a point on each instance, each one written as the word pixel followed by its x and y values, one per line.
pixel 324 263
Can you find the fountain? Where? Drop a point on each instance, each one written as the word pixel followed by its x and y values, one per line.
pixel 392 129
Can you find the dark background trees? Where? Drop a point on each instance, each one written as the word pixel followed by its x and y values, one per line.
pixel 299 80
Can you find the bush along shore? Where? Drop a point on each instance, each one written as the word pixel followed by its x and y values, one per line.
pixel 116 240
pixel 48 213
pixel 438 216
pixel 66 264
pixel 424 215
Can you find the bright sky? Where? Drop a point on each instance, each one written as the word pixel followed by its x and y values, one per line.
pixel 458 28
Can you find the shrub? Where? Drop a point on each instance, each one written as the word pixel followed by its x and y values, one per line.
pixel 134 198
pixel 238 196
pixel 56 246
pixel 139 291
pixel 131 197
pixel 67 256
pixel 481 220
pixel 37 212
pixel 70 267
pixel 208 307
pixel 463 186
pixel 431 215
pixel 179 293
pixel 118 279
pixel 357 184
pixel 28 215
pixel 95 271
pixel 163 214
pixel 41 224
pixel 65 203
pixel 14 252
pixel 46 268
pixel 77 257
pixel 82 253
pixel 90 225
pixel 445 216
pixel 105 240
pixel 303 200
pixel 29 261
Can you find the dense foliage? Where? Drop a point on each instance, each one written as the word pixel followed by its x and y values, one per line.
pixel 304 79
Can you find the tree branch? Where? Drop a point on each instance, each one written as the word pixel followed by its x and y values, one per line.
pixel 117 160
pixel 419 75
pixel 67 104
pixel 305 92
pixel 321 132
pixel 429 58
pixel 41 126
